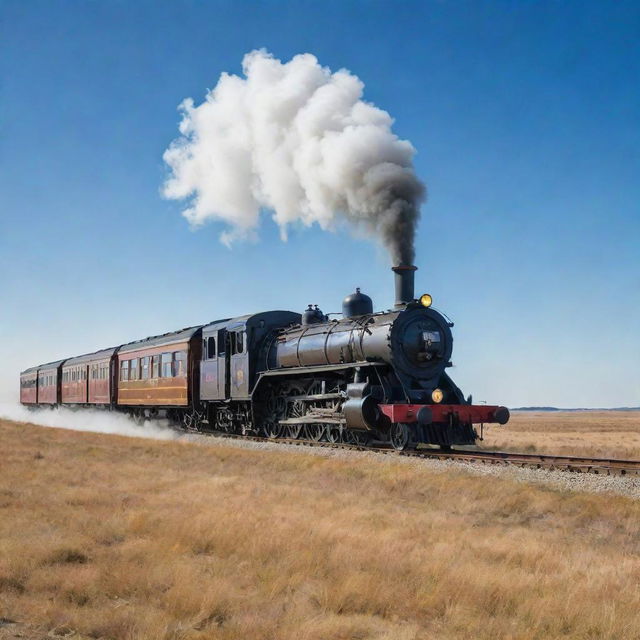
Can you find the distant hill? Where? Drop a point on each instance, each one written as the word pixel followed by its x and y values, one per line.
pixel 574 409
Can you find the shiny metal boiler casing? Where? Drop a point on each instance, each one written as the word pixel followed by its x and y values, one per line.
pixel 394 337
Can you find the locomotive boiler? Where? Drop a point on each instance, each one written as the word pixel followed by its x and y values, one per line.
pixel 413 339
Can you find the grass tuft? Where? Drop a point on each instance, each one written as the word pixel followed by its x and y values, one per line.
pixel 67 556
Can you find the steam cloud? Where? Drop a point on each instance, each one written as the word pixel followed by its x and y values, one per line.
pixel 298 140
pixel 88 420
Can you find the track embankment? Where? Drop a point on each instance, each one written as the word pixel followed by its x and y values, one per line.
pixel 574 464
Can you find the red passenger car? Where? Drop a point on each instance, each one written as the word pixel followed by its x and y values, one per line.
pixel 74 382
pixel 49 383
pixel 29 386
pixel 87 379
pixel 102 384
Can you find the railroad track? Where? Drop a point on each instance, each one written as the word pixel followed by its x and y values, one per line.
pixel 574 464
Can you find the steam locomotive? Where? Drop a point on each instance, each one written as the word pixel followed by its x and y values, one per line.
pixel 365 376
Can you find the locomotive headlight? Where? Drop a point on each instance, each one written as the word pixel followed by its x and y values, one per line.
pixel 426 300
pixel 437 395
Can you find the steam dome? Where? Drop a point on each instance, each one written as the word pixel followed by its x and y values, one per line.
pixel 357 304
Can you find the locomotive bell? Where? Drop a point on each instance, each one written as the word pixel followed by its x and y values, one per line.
pixel 357 304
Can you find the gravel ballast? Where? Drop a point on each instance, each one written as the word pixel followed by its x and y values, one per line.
pixel 564 480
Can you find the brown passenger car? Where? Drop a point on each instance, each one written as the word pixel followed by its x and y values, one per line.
pixel 162 371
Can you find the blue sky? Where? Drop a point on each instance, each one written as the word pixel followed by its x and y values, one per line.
pixel 525 116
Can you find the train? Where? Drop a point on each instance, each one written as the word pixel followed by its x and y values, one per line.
pixel 358 378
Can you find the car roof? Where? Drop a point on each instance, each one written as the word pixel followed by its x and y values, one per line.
pixel 238 322
pixel 166 338
pixel 102 354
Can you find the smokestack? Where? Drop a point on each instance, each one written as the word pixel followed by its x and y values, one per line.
pixel 405 274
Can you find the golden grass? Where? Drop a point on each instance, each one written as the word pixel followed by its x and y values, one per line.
pixel 605 434
pixel 124 538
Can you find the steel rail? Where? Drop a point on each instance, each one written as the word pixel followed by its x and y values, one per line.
pixel 575 464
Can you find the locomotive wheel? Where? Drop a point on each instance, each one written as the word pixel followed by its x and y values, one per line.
pixel 272 429
pixel 292 431
pixel 187 422
pixel 399 436
pixel 293 409
pixel 349 436
pixel 223 420
pixel 314 432
pixel 191 420
pixel 334 434
pixel 359 438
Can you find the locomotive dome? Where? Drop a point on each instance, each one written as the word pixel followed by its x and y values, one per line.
pixel 357 304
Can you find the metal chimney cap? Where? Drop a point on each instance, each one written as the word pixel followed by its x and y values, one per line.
pixel 404 267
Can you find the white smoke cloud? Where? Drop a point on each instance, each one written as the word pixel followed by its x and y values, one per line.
pixel 88 420
pixel 298 140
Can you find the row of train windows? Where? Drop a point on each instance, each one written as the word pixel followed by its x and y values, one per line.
pixel 74 375
pixel 165 365
pixel 42 381
pixel 98 372
pixel 236 345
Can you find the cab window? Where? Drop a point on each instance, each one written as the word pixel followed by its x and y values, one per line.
pixel 237 342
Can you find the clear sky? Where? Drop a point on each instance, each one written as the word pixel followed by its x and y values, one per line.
pixel 525 116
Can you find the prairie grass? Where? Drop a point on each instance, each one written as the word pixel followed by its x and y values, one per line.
pixel 604 434
pixel 114 537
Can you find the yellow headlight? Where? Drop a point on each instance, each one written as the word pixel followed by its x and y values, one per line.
pixel 437 395
pixel 426 300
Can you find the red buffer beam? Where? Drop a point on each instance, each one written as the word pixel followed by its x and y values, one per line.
pixel 444 413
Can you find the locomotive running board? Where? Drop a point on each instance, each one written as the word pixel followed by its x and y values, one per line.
pixel 319 368
pixel 311 419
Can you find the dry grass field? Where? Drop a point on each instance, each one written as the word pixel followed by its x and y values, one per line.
pixel 605 434
pixel 109 537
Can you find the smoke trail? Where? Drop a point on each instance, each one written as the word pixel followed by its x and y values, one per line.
pixel 88 420
pixel 298 140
